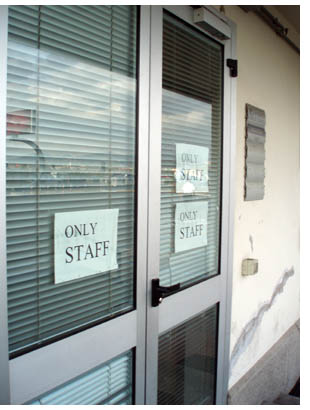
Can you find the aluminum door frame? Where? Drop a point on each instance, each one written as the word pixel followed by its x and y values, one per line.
pixel 4 348
pixel 16 387
pixel 219 287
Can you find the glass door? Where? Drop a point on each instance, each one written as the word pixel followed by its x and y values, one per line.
pixel 187 310
pixel 73 220
pixel 116 250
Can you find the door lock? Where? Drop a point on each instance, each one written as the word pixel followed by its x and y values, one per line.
pixel 158 292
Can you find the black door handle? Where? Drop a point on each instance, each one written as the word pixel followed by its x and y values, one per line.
pixel 159 291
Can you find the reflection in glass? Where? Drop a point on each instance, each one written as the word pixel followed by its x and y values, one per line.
pixel 191 118
pixel 71 108
pixel 187 361
pixel 110 383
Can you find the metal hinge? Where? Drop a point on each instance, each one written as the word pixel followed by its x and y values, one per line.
pixel 233 65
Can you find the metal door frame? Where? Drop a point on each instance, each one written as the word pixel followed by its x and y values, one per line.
pixel 14 373
pixel 221 285
pixel 4 348
pixel 107 339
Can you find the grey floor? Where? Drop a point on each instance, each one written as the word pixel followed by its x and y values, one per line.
pixel 293 398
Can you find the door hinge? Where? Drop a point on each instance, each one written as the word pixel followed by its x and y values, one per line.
pixel 233 65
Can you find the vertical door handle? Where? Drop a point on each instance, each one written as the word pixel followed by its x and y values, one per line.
pixel 159 291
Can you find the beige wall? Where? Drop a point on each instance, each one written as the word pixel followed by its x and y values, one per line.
pixel 269 79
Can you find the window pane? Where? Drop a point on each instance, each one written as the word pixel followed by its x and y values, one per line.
pixel 71 138
pixel 191 154
pixel 110 383
pixel 187 361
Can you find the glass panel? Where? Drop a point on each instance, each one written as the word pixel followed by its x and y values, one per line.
pixel 110 383
pixel 187 360
pixel 191 154
pixel 71 142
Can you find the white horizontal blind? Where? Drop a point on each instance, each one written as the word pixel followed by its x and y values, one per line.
pixel 191 114
pixel 70 146
pixel 111 383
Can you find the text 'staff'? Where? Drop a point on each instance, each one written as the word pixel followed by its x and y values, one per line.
pixel 191 220
pixel 85 243
pixel 191 169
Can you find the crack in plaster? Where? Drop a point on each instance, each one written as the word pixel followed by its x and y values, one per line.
pixel 249 330
pixel 251 243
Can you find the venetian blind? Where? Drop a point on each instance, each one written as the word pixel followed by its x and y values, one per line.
pixel 109 384
pixel 187 361
pixel 71 103
pixel 191 114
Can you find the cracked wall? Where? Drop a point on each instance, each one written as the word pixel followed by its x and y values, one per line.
pixel 265 305
pixel 251 327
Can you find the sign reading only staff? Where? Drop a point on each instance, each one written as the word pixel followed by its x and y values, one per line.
pixel 191 220
pixel 85 243
pixel 191 168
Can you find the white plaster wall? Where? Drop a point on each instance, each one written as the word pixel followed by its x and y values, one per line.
pixel 269 79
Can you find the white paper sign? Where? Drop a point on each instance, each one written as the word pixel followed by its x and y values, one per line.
pixel 85 243
pixel 190 225
pixel 191 168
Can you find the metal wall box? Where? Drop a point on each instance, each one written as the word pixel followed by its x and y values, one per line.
pixel 254 153
pixel 249 267
pixel 210 23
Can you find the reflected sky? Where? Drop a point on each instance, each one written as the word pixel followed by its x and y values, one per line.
pixel 60 81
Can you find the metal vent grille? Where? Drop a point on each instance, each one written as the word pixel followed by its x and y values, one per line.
pixel 255 153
